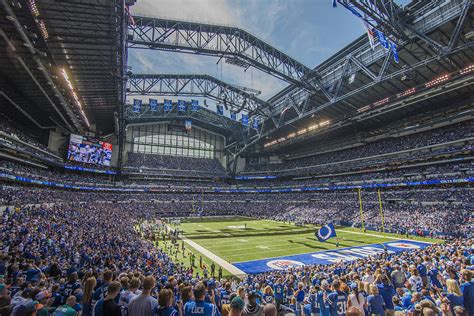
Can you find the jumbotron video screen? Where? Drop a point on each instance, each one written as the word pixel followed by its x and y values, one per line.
pixel 89 150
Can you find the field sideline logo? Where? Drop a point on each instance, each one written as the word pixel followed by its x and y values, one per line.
pixel 284 264
pixel 403 245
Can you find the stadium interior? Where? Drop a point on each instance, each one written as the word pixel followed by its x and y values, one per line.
pixel 347 192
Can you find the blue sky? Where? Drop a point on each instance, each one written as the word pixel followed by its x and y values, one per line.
pixel 308 30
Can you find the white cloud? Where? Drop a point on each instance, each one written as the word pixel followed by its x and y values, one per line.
pixel 211 11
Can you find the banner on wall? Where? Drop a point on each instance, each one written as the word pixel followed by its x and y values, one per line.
pixel 153 105
pixel 137 106
pixel 255 123
pixel 194 105
pixel 181 106
pixel 168 105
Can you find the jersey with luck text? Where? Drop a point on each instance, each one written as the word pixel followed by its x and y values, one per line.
pixel 199 308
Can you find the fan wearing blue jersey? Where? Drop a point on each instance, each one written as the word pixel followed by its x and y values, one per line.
pixel 101 291
pixel 199 307
pixel 375 301
pixel 268 295
pixel 279 291
pixel 324 307
pixel 467 288
pixel 337 300
pixel 72 285
pixel 313 301
pixel 225 294
pixel 299 296
pixel 165 301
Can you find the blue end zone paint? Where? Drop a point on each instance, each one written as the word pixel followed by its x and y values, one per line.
pixel 327 257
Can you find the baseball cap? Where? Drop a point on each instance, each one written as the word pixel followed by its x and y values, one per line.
pixel 237 302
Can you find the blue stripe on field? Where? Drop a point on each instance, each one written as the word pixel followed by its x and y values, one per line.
pixel 328 256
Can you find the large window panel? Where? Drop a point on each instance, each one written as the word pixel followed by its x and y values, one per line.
pixel 161 140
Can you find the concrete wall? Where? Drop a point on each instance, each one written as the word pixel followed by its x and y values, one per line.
pixel 58 143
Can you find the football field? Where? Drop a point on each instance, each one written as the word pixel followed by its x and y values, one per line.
pixel 254 246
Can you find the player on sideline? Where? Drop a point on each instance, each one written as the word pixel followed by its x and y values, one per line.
pixel 199 307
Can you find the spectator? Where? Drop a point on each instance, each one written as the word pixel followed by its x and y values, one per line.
pixel 144 304
pixel 252 308
pixel 375 302
pixel 68 308
pixel 199 307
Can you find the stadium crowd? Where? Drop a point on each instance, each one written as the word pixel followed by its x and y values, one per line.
pixel 11 135
pixel 443 211
pixel 166 163
pixel 389 145
pixel 97 259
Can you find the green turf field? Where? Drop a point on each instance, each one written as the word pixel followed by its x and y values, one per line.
pixel 240 239
pixel 229 239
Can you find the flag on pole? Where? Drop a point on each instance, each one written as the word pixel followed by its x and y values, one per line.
pixel 326 232
pixel 394 49
pixel 382 39
pixel 370 34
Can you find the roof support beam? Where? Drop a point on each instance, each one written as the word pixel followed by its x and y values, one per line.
pixel 196 85
pixel 237 45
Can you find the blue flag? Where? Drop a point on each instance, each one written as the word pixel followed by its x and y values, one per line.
pixel 168 106
pixel 382 39
pixel 255 123
pixel 153 105
pixel 181 106
pixel 194 105
pixel 220 110
pixel 394 49
pixel 137 106
pixel 245 120
pixel 326 232
pixel 233 116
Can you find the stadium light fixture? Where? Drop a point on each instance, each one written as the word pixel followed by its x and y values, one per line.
pixel 43 30
pixel 33 8
pixel 302 131
pixel 381 102
pixel 406 93
pixel 76 97
pixel 298 133
pixel 467 70
pixel 437 81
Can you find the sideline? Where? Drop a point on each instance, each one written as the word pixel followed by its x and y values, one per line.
pixel 224 264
